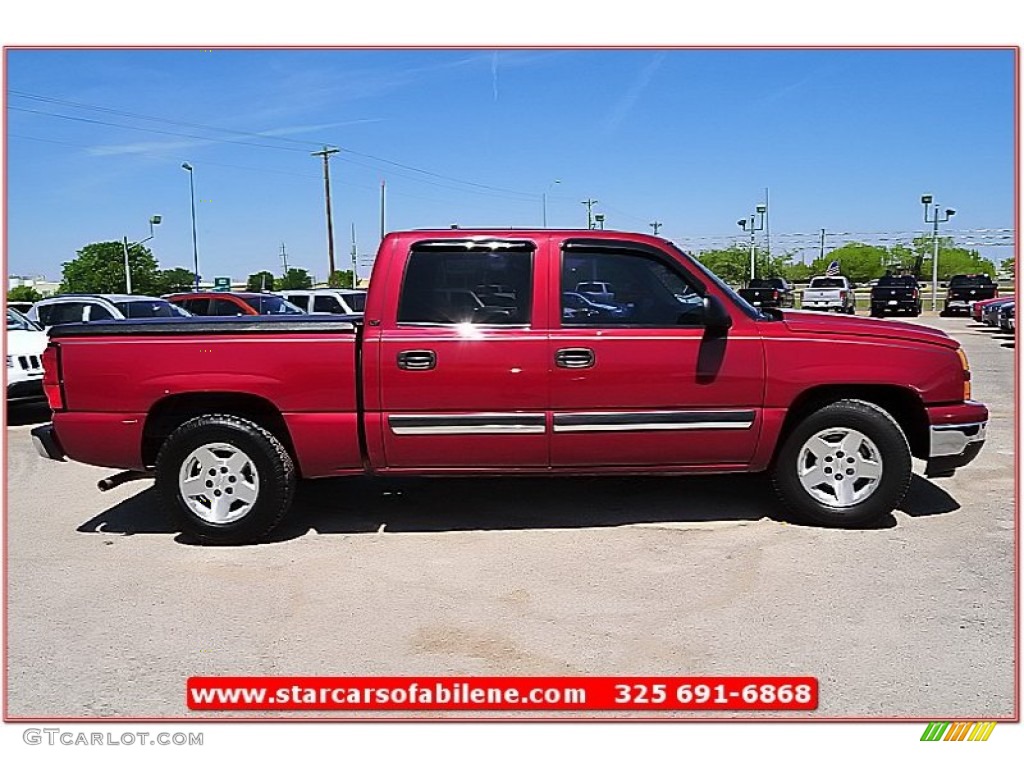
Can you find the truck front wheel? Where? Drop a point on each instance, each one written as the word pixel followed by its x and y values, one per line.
pixel 225 479
pixel 844 465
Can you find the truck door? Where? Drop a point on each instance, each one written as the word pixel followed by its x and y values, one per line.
pixel 461 373
pixel 639 381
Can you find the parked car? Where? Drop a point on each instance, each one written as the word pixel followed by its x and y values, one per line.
pixel 833 407
pixel 88 308
pixel 597 291
pixel 225 304
pixel 896 293
pixel 20 306
pixel 768 292
pixel 990 312
pixel 1007 314
pixel 832 294
pixel 964 289
pixel 978 307
pixel 327 301
pixel 25 344
pixel 577 305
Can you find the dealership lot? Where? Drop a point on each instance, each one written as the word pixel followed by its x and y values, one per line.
pixel 109 610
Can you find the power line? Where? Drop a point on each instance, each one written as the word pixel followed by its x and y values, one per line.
pixel 135 115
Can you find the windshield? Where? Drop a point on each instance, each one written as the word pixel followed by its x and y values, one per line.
pixel 272 305
pixel 149 308
pixel 827 282
pixel 18 322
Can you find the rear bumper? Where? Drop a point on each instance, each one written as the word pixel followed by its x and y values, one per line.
pixel 31 389
pixel 957 434
pixel 47 445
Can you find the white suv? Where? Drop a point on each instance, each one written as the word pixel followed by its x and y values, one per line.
pixel 88 308
pixel 25 344
pixel 327 301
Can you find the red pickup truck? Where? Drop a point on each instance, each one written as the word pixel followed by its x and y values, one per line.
pixel 471 360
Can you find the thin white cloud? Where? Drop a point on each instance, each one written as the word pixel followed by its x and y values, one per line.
pixel 629 99
pixel 148 147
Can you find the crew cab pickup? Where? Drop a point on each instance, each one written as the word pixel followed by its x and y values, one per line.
pixel 964 290
pixel 229 413
pixel 832 294
pixel 896 293
pixel 768 292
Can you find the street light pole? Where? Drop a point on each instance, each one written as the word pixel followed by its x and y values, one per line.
pixel 195 247
pixel 153 220
pixel 749 225
pixel 544 202
pixel 935 220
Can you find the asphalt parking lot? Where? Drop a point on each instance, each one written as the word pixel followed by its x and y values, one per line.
pixel 110 610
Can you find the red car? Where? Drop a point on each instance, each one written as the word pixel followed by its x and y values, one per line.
pixel 441 378
pixel 207 304
pixel 978 307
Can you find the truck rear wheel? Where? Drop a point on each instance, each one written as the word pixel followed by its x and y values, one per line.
pixel 225 479
pixel 844 465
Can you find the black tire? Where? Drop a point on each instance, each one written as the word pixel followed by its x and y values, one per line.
pixel 256 493
pixel 885 442
pixel 877 312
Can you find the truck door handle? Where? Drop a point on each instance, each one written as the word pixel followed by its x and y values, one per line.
pixel 574 357
pixel 417 360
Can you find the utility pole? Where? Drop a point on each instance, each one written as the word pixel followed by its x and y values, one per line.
pixel 284 259
pixel 353 254
pixel 822 243
pixel 751 227
pixel 935 220
pixel 383 185
pixel 325 153
pixel 655 225
pixel 767 229
pixel 590 206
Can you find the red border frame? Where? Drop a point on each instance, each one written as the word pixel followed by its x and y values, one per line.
pixel 581 719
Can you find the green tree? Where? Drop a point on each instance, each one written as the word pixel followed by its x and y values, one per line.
pixel 260 281
pixel 99 268
pixel 857 261
pixel 731 264
pixel 176 280
pixel 797 272
pixel 341 278
pixel 1010 266
pixel 24 293
pixel 295 279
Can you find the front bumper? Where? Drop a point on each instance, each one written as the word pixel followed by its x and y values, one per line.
pixel 47 445
pixel 954 444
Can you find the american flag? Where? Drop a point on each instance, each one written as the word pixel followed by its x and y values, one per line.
pixel 833 269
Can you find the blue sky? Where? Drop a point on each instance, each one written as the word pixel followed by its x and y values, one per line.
pixel 846 140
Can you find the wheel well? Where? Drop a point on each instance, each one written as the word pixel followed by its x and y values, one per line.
pixel 173 411
pixel 904 405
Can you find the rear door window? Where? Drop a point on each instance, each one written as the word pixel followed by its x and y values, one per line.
pixel 59 314
pixel 439 282
pixel 328 304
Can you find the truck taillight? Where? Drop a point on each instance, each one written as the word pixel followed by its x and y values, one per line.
pixel 842 295
pixel 775 295
pixel 916 293
pixel 949 294
pixel 967 372
pixel 51 378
